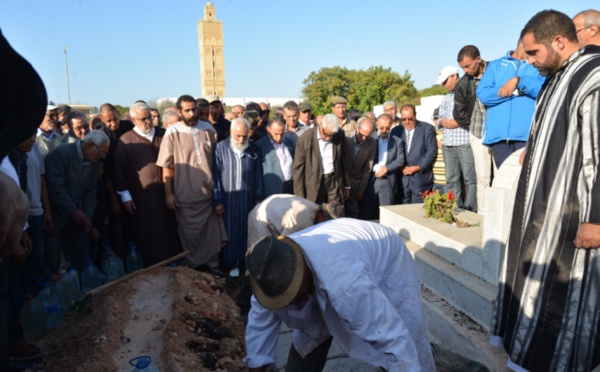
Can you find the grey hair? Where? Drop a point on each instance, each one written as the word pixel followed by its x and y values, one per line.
pixel 138 106
pixel 389 102
pixel 331 122
pixel 591 17
pixel 78 115
pixel 240 120
pixel 95 137
pixel 169 115
pixel 362 120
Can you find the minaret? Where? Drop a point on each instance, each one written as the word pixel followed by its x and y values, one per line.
pixel 212 66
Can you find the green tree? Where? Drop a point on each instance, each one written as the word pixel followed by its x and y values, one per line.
pixel 121 109
pixel 362 88
pixel 161 107
pixel 433 90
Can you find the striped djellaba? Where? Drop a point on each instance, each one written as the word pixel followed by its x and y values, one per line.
pixel 548 307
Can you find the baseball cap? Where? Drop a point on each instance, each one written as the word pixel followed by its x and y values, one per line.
pixel 445 74
pixel 213 98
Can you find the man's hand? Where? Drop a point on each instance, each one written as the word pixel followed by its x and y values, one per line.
pixel 172 202
pixel 381 172
pixel 220 210
pixel 359 196
pixel 26 243
pixel 410 170
pixel 82 220
pixel 129 206
pixel 19 256
pixel 508 88
pixel 346 194
pixel 588 236
pixel 449 123
pixel 115 207
pixel 522 158
pixel 47 221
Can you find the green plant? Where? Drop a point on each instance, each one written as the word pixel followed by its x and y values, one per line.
pixel 440 206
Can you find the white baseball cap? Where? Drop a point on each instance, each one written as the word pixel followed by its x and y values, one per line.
pixel 445 74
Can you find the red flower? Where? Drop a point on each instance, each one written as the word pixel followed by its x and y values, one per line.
pixel 450 195
pixel 425 194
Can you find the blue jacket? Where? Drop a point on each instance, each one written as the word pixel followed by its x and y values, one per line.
pixel 508 118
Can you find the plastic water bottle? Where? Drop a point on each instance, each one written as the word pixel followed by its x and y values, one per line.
pixel 143 363
pixel 50 298
pixel 75 276
pixel 105 255
pixel 114 268
pixel 91 277
pixel 33 318
pixel 69 292
pixel 134 260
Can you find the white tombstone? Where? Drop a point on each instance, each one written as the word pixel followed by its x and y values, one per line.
pixel 499 203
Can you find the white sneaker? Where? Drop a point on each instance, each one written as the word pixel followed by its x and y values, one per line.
pixel 234 273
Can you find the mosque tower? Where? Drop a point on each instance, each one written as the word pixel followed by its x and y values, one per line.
pixel 212 66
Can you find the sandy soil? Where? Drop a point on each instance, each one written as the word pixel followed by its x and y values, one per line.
pixel 183 319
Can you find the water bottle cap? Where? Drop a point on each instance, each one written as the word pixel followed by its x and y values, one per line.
pixel 141 362
pixel 131 244
pixel 29 297
pixel 106 245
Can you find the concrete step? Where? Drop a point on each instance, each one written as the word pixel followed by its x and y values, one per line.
pixel 460 246
pixel 463 290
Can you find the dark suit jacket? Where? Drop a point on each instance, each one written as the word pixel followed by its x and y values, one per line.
pixel 272 173
pixel 307 164
pixel 423 151
pixel 361 167
pixel 395 161
pixel 71 185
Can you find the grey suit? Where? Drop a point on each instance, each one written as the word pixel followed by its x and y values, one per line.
pixel 273 181
pixel 382 191
pixel 71 184
pixel 361 164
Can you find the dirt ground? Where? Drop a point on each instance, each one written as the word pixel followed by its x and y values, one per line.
pixel 183 319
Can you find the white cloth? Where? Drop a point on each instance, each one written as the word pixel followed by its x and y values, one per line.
pixel 148 136
pixel 288 213
pixel 285 159
pixel 367 296
pixel 326 149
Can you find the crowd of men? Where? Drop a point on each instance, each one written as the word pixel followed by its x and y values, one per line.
pixel 187 181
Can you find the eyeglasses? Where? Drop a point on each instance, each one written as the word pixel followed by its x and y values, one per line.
pixel 581 29
pixel 146 118
pixel 408 119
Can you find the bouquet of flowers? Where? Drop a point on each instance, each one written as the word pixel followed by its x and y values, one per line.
pixel 440 206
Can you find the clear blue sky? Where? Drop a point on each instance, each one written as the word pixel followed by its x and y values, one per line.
pixel 122 51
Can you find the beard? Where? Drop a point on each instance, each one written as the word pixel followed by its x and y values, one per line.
pixel 239 146
pixel 191 121
pixel 552 64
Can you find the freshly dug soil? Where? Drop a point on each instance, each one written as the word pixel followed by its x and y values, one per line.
pixel 183 319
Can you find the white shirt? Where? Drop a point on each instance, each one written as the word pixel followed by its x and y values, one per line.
pixel 326 149
pixel 409 134
pixel 363 275
pixel 285 159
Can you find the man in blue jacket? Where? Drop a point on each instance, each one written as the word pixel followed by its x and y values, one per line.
pixel 277 159
pixel 508 89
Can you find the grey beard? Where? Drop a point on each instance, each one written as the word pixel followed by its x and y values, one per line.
pixel 239 147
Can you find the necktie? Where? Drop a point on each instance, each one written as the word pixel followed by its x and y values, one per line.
pixel 408 132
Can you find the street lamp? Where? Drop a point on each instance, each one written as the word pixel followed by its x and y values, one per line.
pixel 67 71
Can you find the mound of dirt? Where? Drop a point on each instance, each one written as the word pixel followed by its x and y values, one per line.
pixel 183 319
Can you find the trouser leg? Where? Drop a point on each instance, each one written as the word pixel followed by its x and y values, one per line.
pixel 453 175
pixel 467 168
pixel 313 362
